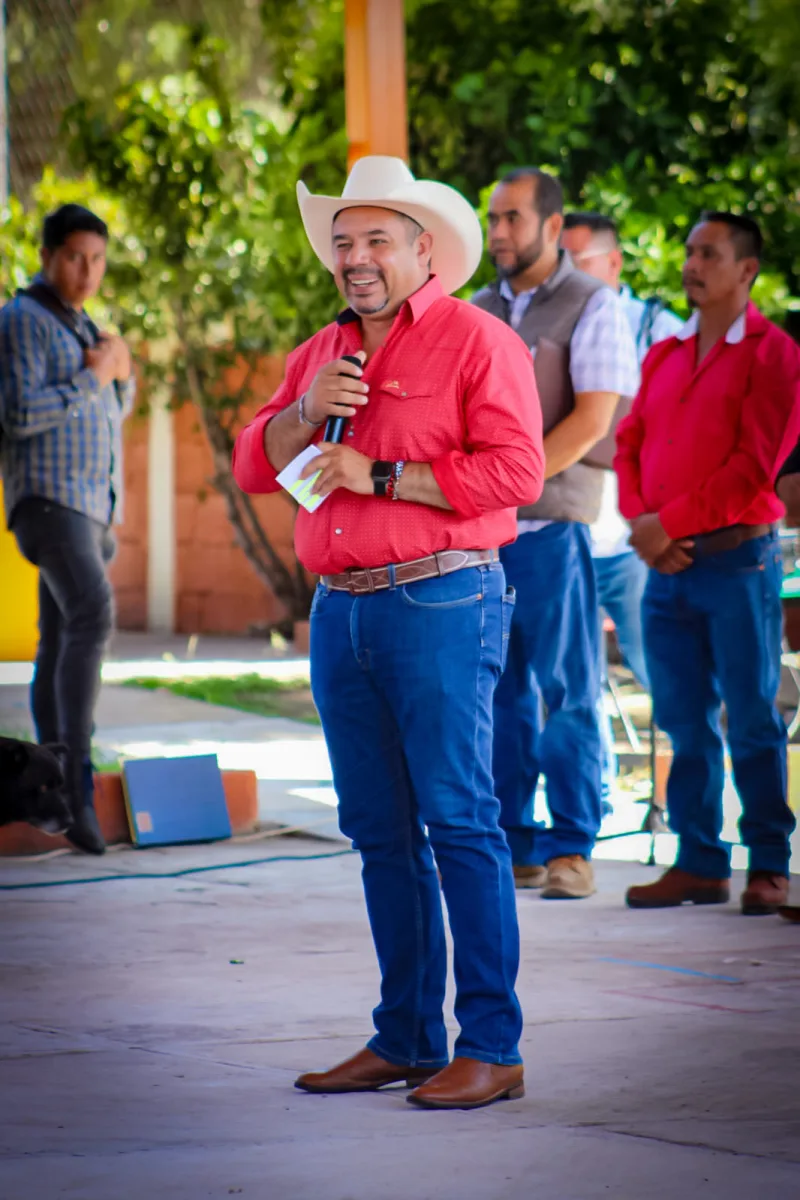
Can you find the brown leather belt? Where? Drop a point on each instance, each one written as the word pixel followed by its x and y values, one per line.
pixel 360 581
pixel 728 539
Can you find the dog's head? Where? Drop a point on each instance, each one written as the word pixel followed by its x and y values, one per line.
pixel 31 779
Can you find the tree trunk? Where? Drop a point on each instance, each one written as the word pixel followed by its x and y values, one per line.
pixel 289 584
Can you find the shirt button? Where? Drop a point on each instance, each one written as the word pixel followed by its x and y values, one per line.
pixel 350 432
pixel 404 393
pixel 337 531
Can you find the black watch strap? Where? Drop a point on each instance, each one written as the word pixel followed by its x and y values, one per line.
pixel 381 474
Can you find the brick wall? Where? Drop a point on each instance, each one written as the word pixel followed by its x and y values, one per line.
pixel 129 569
pixel 217 591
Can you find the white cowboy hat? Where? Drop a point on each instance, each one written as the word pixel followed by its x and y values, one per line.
pixel 379 181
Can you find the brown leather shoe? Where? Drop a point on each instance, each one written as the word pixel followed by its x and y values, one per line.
pixel 678 887
pixel 530 877
pixel 790 912
pixel 569 878
pixel 766 891
pixel 364 1072
pixel 468 1083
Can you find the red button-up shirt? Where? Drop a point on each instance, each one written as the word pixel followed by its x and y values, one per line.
pixel 451 386
pixel 703 444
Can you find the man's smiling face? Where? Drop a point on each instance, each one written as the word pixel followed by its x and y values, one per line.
pixel 380 259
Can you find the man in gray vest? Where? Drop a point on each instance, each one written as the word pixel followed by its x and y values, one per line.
pixel 585 361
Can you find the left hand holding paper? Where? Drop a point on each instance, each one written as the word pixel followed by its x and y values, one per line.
pixel 338 467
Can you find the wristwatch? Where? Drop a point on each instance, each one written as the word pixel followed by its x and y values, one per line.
pixel 381 474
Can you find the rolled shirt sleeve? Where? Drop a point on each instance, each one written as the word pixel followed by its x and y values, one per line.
pixel 602 350
pixel 252 470
pixel 502 462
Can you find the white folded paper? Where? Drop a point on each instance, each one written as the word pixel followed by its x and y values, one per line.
pixel 290 480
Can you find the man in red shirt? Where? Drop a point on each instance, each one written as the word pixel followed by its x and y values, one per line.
pixel 411 618
pixel 713 421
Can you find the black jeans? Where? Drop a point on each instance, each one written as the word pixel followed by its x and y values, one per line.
pixel 76 616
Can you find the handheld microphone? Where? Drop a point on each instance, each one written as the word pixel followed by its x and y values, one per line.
pixel 335 426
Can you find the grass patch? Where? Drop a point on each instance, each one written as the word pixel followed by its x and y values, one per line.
pixel 250 693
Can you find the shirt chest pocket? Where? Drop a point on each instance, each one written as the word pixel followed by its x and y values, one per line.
pixel 413 419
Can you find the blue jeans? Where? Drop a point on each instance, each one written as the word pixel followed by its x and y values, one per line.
pixel 621 580
pixel 713 636
pixel 403 680
pixel 553 660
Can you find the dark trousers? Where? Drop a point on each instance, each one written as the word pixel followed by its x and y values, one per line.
pixel 76 615
pixel 713 635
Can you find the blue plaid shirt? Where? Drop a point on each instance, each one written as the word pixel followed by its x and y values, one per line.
pixel 61 432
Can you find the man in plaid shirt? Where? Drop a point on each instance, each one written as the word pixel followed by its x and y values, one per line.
pixel 65 390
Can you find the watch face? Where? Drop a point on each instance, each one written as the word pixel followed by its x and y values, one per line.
pixel 382 471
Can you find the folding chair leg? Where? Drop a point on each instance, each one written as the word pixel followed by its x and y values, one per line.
pixel 634 740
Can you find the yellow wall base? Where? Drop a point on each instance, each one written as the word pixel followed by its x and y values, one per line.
pixel 19 605
pixel 794 778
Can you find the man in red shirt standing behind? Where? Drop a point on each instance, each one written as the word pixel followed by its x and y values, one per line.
pixel 716 414
pixel 411 618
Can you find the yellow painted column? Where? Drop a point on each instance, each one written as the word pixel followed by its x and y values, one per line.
pixel 19 604
pixel 375 79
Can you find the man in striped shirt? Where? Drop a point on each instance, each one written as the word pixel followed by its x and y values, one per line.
pixel 65 389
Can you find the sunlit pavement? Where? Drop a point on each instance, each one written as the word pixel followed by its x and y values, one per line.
pixel 153 1021
pixel 151 1029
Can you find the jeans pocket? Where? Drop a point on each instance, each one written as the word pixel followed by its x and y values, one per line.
pixel 746 559
pixel 320 592
pixel 455 590
pixel 509 602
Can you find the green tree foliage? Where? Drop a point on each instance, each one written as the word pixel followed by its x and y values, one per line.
pixel 195 119
pixel 649 109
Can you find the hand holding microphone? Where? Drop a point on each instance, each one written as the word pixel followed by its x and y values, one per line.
pixel 336 394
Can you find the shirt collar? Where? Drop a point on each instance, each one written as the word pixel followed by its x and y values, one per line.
pixel 416 305
pixel 736 333
pixel 508 293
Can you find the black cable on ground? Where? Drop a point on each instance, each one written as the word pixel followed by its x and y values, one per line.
pixel 251 862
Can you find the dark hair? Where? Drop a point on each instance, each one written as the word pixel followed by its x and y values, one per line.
pixel 548 194
pixel 595 221
pixel 745 233
pixel 413 227
pixel 69 219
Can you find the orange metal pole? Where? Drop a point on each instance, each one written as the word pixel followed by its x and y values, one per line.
pixel 375 79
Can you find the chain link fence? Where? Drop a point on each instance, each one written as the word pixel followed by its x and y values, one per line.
pixel 40 43
pixel 46 55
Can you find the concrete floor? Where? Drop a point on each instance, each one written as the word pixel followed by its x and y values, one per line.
pixel 151 1030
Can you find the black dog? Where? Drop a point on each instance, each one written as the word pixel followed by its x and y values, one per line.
pixel 31 779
